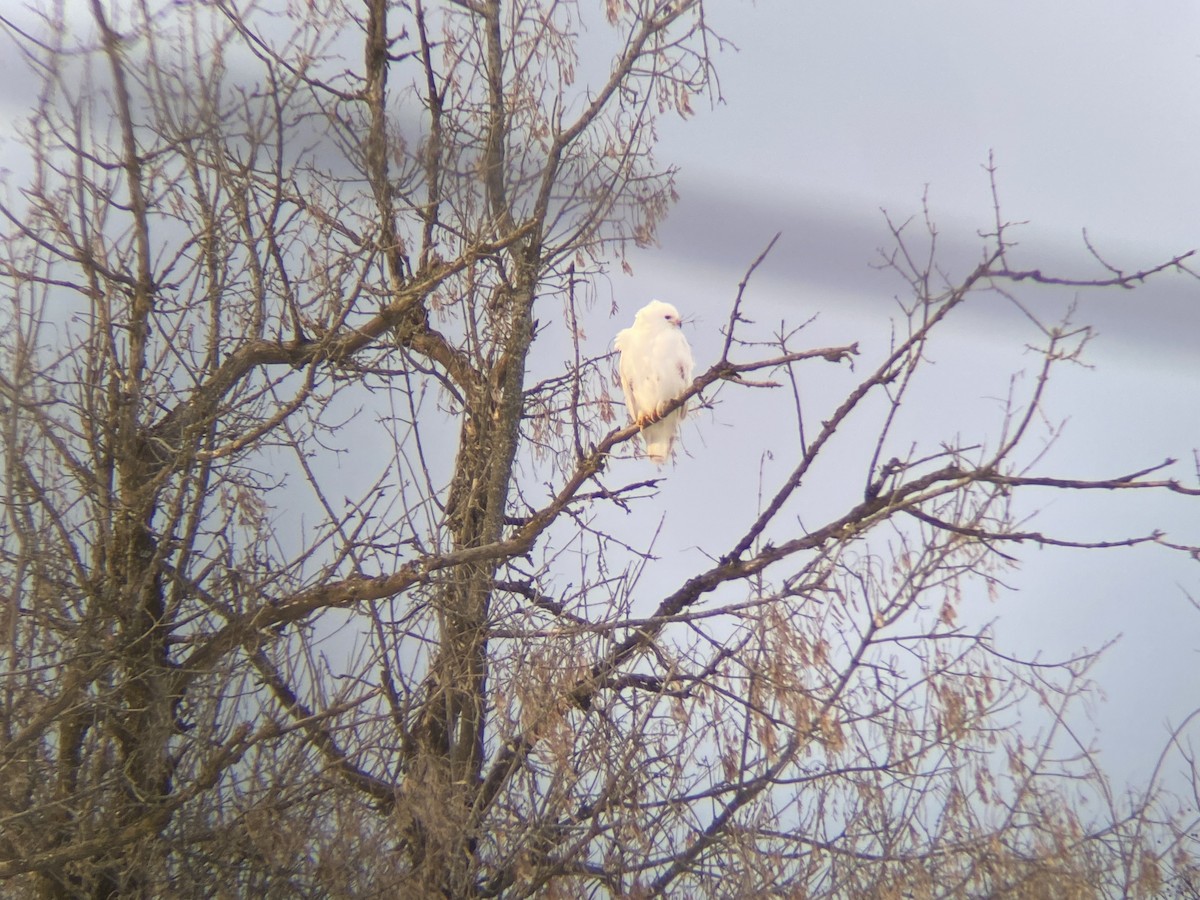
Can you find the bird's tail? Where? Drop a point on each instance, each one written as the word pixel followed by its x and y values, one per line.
pixel 658 439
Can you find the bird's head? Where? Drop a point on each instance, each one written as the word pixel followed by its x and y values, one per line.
pixel 658 313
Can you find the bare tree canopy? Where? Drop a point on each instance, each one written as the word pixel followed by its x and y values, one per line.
pixel 325 546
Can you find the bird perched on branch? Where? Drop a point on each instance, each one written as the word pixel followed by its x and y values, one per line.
pixel 655 368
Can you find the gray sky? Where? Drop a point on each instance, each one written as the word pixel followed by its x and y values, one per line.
pixel 834 110
pixel 1092 110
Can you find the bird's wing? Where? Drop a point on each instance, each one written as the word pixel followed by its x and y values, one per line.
pixel 628 369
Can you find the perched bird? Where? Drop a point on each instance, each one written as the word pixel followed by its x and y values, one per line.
pixel 656 368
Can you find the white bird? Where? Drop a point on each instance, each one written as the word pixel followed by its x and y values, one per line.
pixel 656 368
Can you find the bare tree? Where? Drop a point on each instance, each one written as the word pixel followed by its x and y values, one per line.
pixel 317 567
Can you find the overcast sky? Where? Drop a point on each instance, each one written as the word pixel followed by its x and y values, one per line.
pixel 1092 111
pixel 834 110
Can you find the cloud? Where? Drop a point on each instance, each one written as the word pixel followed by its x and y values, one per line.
pixel 829 247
